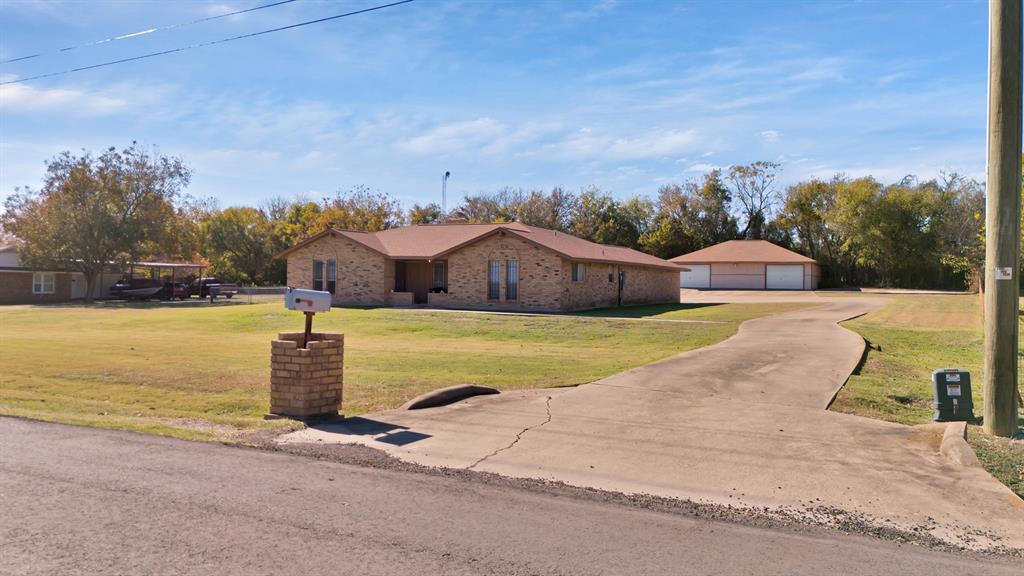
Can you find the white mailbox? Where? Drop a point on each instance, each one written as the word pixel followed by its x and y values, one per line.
pixel 307 300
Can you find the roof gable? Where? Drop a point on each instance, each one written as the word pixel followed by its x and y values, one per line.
pixel 743 251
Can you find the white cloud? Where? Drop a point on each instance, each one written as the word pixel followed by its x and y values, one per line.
pixel 455 137
pixel 27 98
pixel 586 143
pixel 218 9
pixel 600 8
pixel 890 78
pixel 819 70
pixel 769 135
pixel 668 143
pixel 703 167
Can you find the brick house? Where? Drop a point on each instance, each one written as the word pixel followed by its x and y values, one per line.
pixel 23 285
pixel 496 266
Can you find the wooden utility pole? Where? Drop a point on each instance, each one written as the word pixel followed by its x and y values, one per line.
pixel 1002 221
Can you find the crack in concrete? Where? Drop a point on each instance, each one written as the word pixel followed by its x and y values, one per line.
pixel 519 436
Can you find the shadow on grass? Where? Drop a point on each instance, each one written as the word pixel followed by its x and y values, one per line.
pixel 146 304
pixel 642 311
pixel 868 348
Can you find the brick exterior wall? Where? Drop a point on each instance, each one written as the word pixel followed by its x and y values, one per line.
pixel 545 278
pixel 16 288
pixel 650 286
pixel 600 286
pixel 595 291
pixel 540 275
pixel 365 276
pixel 306 382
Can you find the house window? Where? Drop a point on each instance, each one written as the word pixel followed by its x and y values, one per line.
pixel 438 275
pixel 493 279
pixel 332 276
pixel 579 272
pixel 511 279
pixel 318 274
pixel 43 283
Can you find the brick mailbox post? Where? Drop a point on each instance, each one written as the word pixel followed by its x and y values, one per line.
pixel 306 383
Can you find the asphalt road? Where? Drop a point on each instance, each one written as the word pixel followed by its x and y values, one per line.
pixel 744 421
pixel 84 501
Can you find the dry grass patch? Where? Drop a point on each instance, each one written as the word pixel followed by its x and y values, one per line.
pixel 202 372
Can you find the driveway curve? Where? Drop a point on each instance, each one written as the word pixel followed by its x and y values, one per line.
pixel 742 422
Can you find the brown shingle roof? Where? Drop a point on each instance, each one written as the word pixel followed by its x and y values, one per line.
pixel 742 251
pixel 435 240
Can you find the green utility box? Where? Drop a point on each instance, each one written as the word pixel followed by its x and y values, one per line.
pixel 952 388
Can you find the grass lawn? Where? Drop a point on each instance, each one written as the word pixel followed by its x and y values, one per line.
pixel 919 333
pixel 197 371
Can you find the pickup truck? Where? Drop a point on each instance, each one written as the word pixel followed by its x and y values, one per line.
pixel 209 286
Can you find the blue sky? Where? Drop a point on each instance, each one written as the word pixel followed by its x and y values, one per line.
pixel 626 96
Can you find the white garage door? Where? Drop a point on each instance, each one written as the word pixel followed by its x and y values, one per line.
pixel 699 276
pixel 778 277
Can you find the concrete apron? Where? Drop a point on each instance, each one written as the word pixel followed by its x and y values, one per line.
pixel 743 422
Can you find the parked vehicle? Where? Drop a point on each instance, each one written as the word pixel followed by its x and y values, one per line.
pixel 174 290
pixel 203 287
pixel 136 288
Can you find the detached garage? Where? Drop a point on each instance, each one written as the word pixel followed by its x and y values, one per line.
pixel 748 265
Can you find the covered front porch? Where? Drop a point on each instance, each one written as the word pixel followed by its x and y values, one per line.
pixel 420 282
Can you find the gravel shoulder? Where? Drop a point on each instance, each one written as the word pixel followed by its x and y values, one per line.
pixel 810 519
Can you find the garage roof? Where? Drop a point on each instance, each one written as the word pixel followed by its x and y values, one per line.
pixel 743 251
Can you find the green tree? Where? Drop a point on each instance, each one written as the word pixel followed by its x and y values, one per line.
pixel 891 231
pixel 498 207
pixel 546 210
pixel 301 220
pixel 690 216
pixel 598 217
pixel 634 218
pixel 429 214
pixel 809 216
pixel 240 245
pixel 535 208
pixel 94 210
pixel 710 204
pixel 669 234
pixel 361 209
pixel 960 226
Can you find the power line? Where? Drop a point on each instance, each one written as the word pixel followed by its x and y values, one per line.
pixel 204 44
pixel 149 31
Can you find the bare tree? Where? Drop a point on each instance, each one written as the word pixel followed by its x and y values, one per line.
pixel 754 186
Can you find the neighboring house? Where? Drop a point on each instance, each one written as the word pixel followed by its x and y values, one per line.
pixel 748 265
pixel 24 285
pixel 499 266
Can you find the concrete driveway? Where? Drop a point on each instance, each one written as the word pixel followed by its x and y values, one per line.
pixel 743 422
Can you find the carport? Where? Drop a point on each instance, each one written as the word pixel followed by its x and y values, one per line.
pixel 748 265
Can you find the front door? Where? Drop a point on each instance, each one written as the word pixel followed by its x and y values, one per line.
pixel 419 276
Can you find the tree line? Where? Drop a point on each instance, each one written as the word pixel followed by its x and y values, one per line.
pixel 128 205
